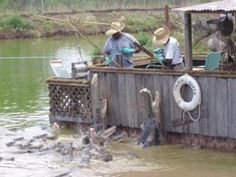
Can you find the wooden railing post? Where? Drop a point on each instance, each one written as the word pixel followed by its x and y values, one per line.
pixel 167 16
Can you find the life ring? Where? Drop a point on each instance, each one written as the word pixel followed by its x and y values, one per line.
pixel 192 83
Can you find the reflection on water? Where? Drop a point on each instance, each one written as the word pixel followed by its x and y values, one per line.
pixel 24 69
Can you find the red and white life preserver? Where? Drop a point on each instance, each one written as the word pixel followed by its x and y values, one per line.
pixel 192 83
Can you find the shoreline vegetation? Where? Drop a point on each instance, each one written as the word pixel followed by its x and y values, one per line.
pixel 32 26
pixel 142 22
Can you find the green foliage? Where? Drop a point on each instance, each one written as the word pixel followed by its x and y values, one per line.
pixel 139 23
pixel 180 38
pixel 201 47
pixel 47 26
pixel 151 21
pixel 234 36
pixel 96 56
pixel 96 52
pixel 14 23
pixel 143 38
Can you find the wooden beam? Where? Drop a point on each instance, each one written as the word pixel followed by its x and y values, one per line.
pixel 234 22
pixel 167 16
pixel 188 41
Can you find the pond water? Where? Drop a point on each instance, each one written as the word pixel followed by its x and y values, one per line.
pixel 24 69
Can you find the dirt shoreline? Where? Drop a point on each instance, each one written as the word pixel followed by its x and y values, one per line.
pixel 58 32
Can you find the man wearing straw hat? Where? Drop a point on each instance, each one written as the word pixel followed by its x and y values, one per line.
pixel 172 55
pixel 119 44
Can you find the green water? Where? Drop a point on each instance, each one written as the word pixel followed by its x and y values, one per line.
pixel 24 69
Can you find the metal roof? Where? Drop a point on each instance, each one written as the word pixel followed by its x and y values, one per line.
pixel 217 6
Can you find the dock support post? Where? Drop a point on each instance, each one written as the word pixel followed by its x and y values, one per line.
pixel 167 16
pixel 234 22
pixel 188 41
pixel 42 7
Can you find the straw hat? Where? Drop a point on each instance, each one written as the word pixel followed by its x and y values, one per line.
pixel 115 27
pixel 161 36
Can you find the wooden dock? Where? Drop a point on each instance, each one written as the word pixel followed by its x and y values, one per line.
pixel 121 87
pixel 74 102
pixel 128 108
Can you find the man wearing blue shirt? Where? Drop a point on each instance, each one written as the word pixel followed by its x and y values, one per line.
pixel 120 43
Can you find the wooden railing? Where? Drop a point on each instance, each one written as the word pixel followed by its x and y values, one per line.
pixel 70 100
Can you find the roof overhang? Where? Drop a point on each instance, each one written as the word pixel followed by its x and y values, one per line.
pixel 224 6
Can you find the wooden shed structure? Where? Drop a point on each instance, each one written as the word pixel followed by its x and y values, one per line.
pixel 216 127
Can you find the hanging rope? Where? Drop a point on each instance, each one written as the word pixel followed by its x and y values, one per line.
pixel 190 116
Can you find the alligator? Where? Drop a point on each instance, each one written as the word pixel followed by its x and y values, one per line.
pixel 150 133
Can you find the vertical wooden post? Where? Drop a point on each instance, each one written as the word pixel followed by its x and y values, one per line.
pixel 94 96
pixel 42 7
pixel 235 22
pixel 24 4
pixel 167 17
pixel 188 41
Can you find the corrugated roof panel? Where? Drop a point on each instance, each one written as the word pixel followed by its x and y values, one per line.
pixel 217 6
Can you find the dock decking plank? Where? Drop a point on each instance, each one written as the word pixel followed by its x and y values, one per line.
pixel 95 97
pixel 158 87
pixel 108 92
pixel 212 93
pixel 142 99
pixel 149 79
pixel 177 111
pixel 114 98
pixel 122 100
pixel 102 84
pixel 195 113
pixel 166 102
pixel 131 100
pixel 232 108
pixel 221 107
pixel 203 122
pixel 102 91
pixel 172 105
